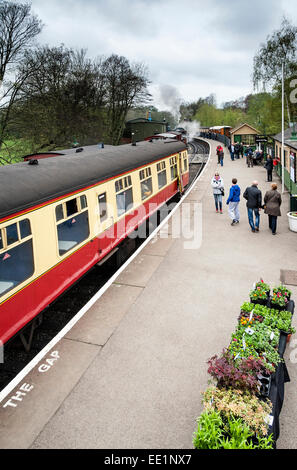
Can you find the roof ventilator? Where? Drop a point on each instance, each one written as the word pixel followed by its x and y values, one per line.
pixel 79 150
pixel 33 161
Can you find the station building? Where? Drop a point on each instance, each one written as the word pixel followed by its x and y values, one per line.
pixel 244 134
pixel 290 162
pixel 139 129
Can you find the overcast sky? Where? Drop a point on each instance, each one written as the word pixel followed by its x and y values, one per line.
pixel 192 47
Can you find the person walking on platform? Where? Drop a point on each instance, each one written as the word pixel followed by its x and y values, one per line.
pixel 217 184
pixel 221 157
pixel 272 203
pixel 233 202
pixel 218 150
pixel 241 150
pixel 231 150
pixel 250 160
pixel 237 150
pixel 269 167
pixel 245 153
pixel 253 196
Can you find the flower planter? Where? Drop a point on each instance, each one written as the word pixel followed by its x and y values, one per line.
pixel 259 301
pixel 277 307
pixel 292 221
pixel 287 335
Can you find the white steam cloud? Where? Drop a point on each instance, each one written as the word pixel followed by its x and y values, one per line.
pixel 192 128
pixel 170 99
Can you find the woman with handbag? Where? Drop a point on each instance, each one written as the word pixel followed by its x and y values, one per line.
pixel 233 202
pixel 272 203
pixel 217 184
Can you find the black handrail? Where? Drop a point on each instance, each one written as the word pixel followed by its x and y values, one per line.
pixel 212 135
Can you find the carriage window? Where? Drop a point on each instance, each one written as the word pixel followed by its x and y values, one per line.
pixel 59 213
pixel 12 234
pixel 83 202
pixel 74 228
pixel 102 207
pixel 71 207
pixel 185 164
pixel 16 263
pixel 173 168
pixel 162 178
pixel 25 229
pixel 124 196
pixel 146 183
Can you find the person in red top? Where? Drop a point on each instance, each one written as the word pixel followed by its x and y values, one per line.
pixel 219 149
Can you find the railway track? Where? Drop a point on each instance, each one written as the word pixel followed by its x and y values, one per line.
pixel 58 314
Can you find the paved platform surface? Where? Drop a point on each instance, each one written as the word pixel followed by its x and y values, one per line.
pixel 130 374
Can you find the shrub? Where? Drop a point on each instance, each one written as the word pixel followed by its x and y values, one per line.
pixel 240 404
pixel 240 374
pixel 214 432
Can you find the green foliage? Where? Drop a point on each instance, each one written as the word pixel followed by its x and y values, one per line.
pixel 214 432
pixel 261 110
pixel 264 112
pixel 210 115
pixel 280 47
pixel 209 431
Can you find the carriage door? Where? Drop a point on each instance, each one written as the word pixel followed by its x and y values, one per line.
pixel 180 185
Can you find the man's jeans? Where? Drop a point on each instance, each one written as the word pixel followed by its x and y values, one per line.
pixel 251 213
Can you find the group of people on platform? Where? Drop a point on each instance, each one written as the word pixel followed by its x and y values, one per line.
pixel 238 151
pixel 253 196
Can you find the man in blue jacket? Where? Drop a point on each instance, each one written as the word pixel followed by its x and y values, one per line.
pixel 233 202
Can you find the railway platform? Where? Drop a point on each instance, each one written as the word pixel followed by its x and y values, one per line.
pixel 130 373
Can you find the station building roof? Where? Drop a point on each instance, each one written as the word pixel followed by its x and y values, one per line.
pixel 242 126
pixel 287 136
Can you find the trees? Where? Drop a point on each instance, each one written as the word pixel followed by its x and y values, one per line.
pixel 60 101
pixel 280 48
pixel 124 85
pixel 18 29
pixel 72 98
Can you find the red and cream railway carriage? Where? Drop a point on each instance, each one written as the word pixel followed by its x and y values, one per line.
pixel 63 215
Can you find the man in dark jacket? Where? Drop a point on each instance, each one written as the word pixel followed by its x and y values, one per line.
pixel 269 167
pixel 250 160
pixel 237 150
pixel 253 196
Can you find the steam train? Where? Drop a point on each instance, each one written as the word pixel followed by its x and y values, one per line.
pixel 60 216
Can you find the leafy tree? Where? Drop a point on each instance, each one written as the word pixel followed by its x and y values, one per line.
pixel 18 29
pixel 264 112
pixel 71 98
pixel 124 85
pixel 280 48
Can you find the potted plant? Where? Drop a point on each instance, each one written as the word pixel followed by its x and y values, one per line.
pixel 278 301
pixel 283 290
pixel 263 286
pixel 259 296
pixel 292 216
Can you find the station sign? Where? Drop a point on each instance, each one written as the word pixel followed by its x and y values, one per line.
pixel 261 138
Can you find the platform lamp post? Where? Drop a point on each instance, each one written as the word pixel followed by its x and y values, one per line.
pixel 283 128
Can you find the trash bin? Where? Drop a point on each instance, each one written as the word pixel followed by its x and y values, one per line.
pixel 293 202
